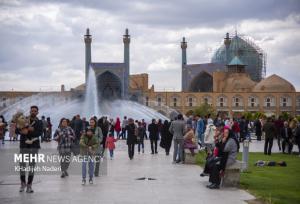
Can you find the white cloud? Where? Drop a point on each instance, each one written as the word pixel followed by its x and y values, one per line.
pixel 41 47
pixel 47 38
pixel 162 64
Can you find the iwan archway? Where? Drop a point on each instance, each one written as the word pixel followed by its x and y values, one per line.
pixel 109 86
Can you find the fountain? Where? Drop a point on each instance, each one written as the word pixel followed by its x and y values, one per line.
pixel 56 106
pixel 91 104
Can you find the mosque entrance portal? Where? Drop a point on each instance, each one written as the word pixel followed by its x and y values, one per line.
pixel 203 82
pixel 109 86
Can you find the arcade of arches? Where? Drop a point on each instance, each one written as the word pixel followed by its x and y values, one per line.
pixel 229 103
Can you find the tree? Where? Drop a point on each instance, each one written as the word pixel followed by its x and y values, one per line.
pixel 205 109
pixel 190 112
pixel 248 115
pixel 285 116
pixel 258 115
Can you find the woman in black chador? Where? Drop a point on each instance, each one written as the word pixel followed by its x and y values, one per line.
pixel 166 137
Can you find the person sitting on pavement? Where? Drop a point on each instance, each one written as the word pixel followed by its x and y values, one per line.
pixel 227 158
pixel 213 156
pixel 190 140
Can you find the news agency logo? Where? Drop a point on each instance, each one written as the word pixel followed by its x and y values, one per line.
pixel 42 158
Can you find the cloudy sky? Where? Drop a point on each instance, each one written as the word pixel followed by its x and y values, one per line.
pixel 42 40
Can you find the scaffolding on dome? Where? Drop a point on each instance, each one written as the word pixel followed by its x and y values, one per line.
pixel 250 54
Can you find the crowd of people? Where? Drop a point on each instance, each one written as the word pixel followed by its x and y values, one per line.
pixel 286 132
pixel 219 137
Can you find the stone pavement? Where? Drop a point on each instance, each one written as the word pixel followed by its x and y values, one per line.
pixel 174 183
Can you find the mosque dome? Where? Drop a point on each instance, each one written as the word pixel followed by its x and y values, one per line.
pixel 274 83
pixel 248 52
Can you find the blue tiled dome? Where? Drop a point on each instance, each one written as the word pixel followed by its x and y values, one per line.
pixel 247 52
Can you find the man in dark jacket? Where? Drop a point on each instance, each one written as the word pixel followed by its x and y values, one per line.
pixel 243 129
pixel 258 129
pixel 104 125
pixel 153 135
pixel 29 144
pixel 279 125
pixel 270 131
pixel 77 127
pixel 85 123
pixel 131 137
pixel 286 135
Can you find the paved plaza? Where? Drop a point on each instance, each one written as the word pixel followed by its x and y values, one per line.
pixel 172 183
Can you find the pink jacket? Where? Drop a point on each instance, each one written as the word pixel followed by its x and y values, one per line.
pixel 110 143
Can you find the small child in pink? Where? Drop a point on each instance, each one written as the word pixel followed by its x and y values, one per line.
pixel 110 145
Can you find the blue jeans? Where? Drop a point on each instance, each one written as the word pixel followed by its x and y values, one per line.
pixel 111 152
pixel 87 159
pixel 141 143
pixel 201 138
pixel 178 150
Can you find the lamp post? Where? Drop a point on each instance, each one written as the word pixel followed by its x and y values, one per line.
pixel 245 154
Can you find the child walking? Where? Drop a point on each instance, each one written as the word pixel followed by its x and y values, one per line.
pixel 110 145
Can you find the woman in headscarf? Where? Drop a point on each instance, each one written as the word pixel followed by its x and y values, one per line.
pixel 98 134
pixel 190 140
pixel 65 137
pixel 166 137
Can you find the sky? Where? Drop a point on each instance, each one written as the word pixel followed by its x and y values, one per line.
pixel 42 43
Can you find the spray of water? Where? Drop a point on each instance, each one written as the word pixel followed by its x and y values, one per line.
pixel 56 106
pixel 91 104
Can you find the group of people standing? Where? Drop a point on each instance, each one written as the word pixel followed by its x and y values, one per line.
pixel 47 129
pixel 13 134
pixel 9 127
pixel 287 133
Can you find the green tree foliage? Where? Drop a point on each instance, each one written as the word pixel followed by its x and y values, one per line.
pixel 190 112
pixel 258 115
pixel 205 109
pixel 285 116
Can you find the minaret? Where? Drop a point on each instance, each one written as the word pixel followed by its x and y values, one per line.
pixel 227 41
pixel 126 41
pixel 183 47
pixel 184 62
pixel 88 55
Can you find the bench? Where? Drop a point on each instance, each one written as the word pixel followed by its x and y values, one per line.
pixel 232 175
pixel 189 159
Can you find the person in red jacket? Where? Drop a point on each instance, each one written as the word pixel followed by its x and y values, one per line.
pixel 118 127
pixel 236 129
pixel 110 145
